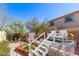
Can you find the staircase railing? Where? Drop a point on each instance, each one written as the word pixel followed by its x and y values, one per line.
pixel 43 43
pixel 44 40
pixel 43 34
pixel 37 38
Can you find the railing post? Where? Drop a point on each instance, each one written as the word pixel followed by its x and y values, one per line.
pixel 44 36
pixel 53 39
pixel 29 46
pixel 30 49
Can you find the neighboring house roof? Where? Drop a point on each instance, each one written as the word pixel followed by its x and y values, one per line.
pixel 64 16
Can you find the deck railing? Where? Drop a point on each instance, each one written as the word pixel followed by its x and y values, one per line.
pixel 60 47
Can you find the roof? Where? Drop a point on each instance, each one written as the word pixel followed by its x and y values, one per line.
pixel 64 16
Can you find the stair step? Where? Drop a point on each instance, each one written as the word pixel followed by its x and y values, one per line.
pixel 37 42
pixel 43 47
pixel 34 53
pixel 41 52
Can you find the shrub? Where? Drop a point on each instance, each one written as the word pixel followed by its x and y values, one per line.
pixel 4 49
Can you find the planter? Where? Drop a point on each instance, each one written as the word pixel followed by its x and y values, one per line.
pixel 22 52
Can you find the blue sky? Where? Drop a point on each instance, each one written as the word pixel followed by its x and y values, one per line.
pixel 43 12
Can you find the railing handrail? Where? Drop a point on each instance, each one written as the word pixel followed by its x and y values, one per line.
pixel 44 41
pixel 37 38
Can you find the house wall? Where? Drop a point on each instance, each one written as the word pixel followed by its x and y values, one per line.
pixel 72 27
pixel 61 22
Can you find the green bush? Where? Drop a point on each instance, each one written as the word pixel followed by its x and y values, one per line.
pixel 4 49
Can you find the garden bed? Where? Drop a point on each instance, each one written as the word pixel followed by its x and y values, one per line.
pixel 24 49
pixel 22 52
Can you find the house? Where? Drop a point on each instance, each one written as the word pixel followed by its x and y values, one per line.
pixel 70 22
pixel 2 35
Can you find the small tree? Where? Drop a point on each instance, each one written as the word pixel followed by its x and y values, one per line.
pixel 16 30
pixel 10 32
pixel 40 28
pixel 31 24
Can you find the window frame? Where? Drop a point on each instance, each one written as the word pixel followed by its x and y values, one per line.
pixel 66 19
pixel 51 23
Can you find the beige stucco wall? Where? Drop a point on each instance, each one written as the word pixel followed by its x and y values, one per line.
pixel 74 23
pixel 76 17
pixel 61 22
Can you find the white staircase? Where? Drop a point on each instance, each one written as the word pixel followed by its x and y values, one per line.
pixel 44 45
pixel 42 51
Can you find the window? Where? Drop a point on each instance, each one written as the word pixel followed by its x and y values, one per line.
pixel 68 18
pixel 52 24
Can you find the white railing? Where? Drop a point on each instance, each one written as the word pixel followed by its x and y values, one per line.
pixel 37 38
pixel 45 40
pixel 41 44
pixel 55 46
pixel 43 34
pixel 67 50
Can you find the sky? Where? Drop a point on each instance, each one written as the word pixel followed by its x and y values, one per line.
pixel 42 11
